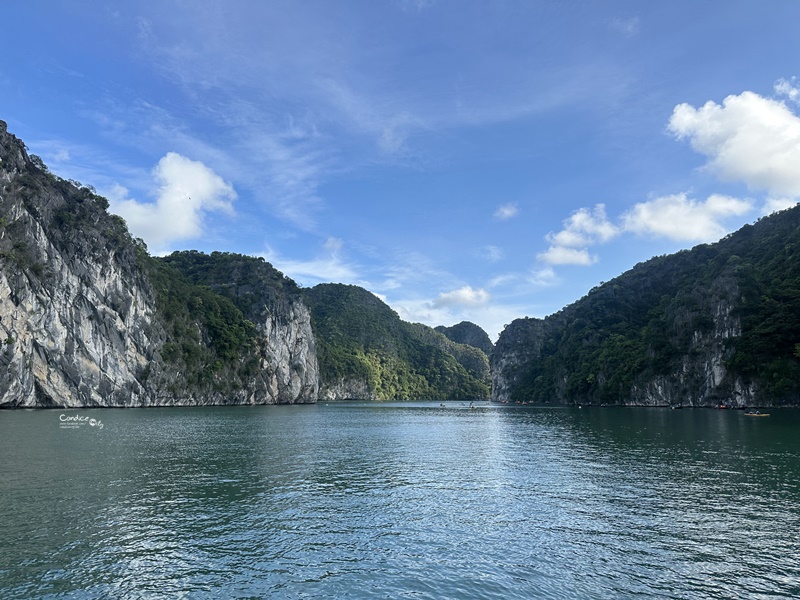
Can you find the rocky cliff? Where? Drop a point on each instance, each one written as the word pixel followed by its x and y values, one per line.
pixel 287 347
pixel 719 324
pixel 87 318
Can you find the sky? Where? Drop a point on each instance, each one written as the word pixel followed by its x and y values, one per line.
pixel 461 159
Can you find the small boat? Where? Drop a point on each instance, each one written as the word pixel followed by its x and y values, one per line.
pixel 755 414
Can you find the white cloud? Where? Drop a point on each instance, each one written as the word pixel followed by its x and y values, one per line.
pixel 674 217
pixel 416 5
pixel 748 138
pixel 788 88
pixel 187 190
pixel 772 205
pixel 560 255
pixel 327 267
pixel 491 317
pixel 543 277
pixel 582 228
pixel 503 279
pixel 679 218
pixel 506 211
pixel 462 296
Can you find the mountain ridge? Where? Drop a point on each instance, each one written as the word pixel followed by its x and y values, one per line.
pixel 89 318
pixel 717 324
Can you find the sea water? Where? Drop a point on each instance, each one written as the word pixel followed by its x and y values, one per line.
pixel 399 500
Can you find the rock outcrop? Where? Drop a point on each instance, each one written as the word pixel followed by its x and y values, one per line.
pixel 82 323
pixel 718 324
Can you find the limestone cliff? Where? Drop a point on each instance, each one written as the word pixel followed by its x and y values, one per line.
pixel 85 322
pixel 287 347
pixel 719 324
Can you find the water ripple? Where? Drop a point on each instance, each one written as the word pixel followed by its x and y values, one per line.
pixel 401 501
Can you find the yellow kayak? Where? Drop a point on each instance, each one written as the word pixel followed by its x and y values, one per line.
pixel 756 414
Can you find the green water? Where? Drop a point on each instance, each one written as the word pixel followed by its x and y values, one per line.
pixel 353 500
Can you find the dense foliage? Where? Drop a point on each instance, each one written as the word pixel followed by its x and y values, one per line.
pixel 644 323
pixel 81 224
pixel 206 330
pixel 252 284
pixel 468 333
pixel 360 337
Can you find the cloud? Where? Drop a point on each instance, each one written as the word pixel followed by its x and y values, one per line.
pixel 788 88
pixel 327 267
pixel 682 219
pixel 416 5
pixel 748 138
pixel 187 190
pixel 585 227
pixel 506 211
pixel 674 217
pixel 460 297
pixel 543 277
pixel 772 205
pixel 560 255
pixel 491 317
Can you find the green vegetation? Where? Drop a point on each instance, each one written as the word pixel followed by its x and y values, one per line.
pixel 223 332
pixel 252 284
pixel 644 323
pixel 470 334
pixel 359 337
pixel 210 340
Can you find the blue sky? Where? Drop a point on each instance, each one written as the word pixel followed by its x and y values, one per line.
pixel 463 160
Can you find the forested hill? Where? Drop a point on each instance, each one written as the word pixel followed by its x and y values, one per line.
pixel 89 318
pixel 363 349
pixel 468 333
pixel 716 324
pixel 366 351
pixel 252 284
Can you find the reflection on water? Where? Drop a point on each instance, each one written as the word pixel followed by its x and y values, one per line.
pixel 400 500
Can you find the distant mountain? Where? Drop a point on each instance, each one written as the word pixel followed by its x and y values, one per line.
pixel 716 324
pixel 366 351
pixel 468 333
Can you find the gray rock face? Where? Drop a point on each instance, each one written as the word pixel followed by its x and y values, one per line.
pixel 80 324
pixel 518 345
pixel 347 389
pixel 289 364
pixel 699 377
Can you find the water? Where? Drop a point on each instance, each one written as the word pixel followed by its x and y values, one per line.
pixel 399 501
